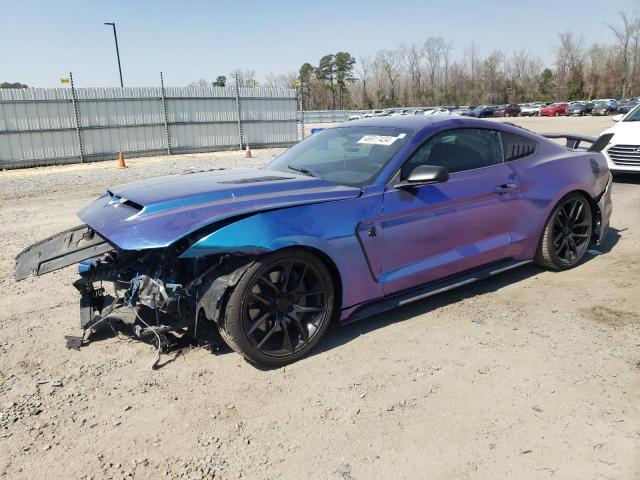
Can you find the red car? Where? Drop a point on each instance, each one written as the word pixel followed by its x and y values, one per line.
pixel 554 110
pixel 511 110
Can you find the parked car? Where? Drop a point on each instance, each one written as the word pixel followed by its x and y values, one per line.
pixel 438 111
pixel 354 220
pixel 554 110
pixel 460 111
pixel 531 109
pixel 604 108
pixel 372 113
pixel 627 106
pixel 580 109
pixel 511 110
pixel 481 111
pixel 356 116
pixel 623 151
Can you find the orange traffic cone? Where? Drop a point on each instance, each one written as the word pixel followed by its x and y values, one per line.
pixel 247 152
pixel 121 163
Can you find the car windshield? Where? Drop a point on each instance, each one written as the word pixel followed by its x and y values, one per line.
pixel 579 105
pixel 350 156
pixel 602 105
pixel 480 107
pixel 633 115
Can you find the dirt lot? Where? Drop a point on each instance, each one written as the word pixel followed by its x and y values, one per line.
pixel 531 375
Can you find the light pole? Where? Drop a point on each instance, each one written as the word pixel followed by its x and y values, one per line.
pixel 115 36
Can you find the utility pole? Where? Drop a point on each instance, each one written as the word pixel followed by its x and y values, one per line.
pixel 115 36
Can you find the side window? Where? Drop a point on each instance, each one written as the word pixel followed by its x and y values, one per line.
pixel 516 146
pixel 457 150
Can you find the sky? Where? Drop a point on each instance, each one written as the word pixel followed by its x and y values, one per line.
pixel 41 41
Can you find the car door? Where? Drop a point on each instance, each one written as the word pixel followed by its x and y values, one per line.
pixel 434 231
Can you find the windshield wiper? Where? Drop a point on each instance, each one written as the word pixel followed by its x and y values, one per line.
pixel 304 171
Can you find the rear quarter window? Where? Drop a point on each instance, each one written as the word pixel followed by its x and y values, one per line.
pixel 516 146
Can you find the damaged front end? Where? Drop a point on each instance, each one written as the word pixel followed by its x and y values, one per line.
pixel 162 296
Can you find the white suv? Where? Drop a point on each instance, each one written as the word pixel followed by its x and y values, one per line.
pixel 623 151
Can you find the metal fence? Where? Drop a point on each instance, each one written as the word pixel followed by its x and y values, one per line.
pixel 68 125
pixel 328 116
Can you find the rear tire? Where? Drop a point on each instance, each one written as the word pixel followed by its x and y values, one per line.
pixel 280 308
pixel 567 233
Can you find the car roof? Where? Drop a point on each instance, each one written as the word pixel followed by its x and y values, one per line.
pixel 435 122
pixel 407 122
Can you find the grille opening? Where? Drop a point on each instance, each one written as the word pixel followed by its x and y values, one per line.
pixel 625 154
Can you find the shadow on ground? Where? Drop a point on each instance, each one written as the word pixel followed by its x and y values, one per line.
pixel 338 335
pixel 628 178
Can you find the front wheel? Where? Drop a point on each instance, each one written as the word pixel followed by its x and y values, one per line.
pixel 567 233
pixel 280 308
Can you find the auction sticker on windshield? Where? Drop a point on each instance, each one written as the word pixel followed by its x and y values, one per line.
pixel 377 140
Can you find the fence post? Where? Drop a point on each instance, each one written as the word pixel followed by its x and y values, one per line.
pixel 166 117
pixel 301 106
pixel 76 114
pixel 240 133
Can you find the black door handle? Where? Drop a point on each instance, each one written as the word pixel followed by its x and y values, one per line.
pixel 504 188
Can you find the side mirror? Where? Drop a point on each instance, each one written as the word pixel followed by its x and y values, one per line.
pixel 617 118
pixel 424 175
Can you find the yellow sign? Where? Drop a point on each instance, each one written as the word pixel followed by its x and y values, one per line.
pixel 297 83
pixel 64 80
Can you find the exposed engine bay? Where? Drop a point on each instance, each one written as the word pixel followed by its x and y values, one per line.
pixel 168 299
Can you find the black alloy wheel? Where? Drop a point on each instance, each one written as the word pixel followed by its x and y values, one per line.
pixel 280 308
pixel 568 233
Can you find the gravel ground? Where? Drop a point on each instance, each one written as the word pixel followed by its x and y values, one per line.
pixel 530 375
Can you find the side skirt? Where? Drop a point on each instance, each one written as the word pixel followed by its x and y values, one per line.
pixel 420 293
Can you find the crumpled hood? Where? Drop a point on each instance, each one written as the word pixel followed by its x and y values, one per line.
pixel 159 211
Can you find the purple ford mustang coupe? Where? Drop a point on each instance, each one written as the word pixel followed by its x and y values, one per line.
pixel 352 221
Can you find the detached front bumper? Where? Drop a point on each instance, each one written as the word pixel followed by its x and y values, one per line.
pixel 61 250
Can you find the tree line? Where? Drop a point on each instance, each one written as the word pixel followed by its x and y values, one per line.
pixel 429 74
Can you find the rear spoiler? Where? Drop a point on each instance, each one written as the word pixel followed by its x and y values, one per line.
pixel 573 141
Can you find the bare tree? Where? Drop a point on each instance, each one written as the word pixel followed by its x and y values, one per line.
pixel 389 62
pixel 446 57
pixel 246 78
pixel 624 35
pixel 282 80
pixel 635 70
pixel 412 59
pixel 433 52
pixel 570 66
pixel 200 83
pixel 362 70
pixel 493 78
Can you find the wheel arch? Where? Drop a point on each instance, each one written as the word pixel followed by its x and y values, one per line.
pixel 214 292
pixel 334 271
pixel 596 215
